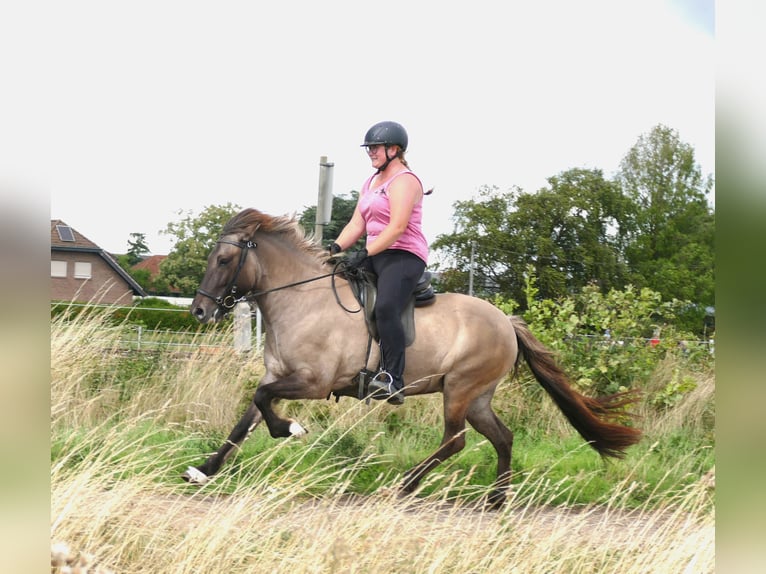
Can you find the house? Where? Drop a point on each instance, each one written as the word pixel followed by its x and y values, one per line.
pixel 82 271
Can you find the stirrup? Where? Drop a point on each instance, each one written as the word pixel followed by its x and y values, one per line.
pixel 382 387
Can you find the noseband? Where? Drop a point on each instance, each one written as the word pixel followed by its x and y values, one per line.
pixel 229 299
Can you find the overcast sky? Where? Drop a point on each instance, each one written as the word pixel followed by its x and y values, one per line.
pixel 164 106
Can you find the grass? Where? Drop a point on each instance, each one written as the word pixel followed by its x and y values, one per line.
pixel 124 428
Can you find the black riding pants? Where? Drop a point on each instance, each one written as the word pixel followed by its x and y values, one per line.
pixel 398 274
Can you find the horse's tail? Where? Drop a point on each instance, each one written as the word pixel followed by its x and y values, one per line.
pixel 590 417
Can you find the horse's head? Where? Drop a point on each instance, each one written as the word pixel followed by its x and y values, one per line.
pixel 227 278
pixel 233 268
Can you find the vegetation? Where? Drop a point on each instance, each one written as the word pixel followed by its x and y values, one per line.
pixel 149 312
pixel 650 227
pixel 124 426
pixel 195 236
pixel 671 248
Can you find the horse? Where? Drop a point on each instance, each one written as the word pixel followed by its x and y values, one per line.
pixel 315 347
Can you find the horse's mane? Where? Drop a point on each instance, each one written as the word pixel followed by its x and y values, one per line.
pixel 248 221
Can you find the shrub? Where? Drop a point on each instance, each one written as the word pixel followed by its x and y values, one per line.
pixel 610 342
pixel 150 312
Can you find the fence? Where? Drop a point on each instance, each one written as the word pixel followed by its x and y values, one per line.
pixel 243 336
pixel 138 337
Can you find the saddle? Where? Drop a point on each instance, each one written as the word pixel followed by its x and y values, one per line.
pixel 365 288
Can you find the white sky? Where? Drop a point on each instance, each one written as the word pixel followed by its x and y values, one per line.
pixel 161 106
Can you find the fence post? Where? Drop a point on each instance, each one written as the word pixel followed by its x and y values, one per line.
pixel 258 329
pixel 242 327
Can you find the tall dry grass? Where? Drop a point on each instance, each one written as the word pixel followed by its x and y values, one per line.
pixel 118 499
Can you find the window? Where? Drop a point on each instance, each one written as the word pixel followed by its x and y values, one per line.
pixel 81 270
pixel 65 233
pixel 58 268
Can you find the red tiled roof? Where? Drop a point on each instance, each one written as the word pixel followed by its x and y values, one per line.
pixel 151 263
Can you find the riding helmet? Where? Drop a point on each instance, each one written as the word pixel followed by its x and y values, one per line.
pixel 387 133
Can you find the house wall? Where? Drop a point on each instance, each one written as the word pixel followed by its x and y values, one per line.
pixel 105 285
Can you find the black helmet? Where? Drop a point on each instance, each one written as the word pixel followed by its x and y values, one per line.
pixel 387 133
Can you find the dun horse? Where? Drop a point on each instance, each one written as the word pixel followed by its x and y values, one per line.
pixel 315 347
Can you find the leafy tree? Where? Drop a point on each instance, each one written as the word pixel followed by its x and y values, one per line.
pixel 342 210
pixel 142 277
pixel 482 229
pixel 185 265
pixel 570 232
pixel 671 245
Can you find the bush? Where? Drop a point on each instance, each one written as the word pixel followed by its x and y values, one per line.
pixel 613 342
pixel 150 312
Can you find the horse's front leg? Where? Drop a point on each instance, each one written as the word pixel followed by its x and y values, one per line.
pixel 298 385
pixel 246 425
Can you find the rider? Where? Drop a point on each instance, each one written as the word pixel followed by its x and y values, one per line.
pixel 389 212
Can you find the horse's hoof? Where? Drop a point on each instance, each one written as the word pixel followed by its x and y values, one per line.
pixel 496 500
pixel 297 430
pixel 195 476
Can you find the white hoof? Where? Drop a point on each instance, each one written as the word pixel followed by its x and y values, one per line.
pixel 195 476
pixel 297 430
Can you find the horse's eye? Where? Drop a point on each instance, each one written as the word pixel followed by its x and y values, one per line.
pixel 223 261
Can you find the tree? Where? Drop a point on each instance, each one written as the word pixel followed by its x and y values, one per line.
pixel 671 245
pixel 569 232
pixel 342 210
pixel 572 232
pixel 137 248
pixel 185 265
pixel 482 229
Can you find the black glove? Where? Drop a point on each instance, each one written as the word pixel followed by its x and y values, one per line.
pixel 334 248
pixel 356 258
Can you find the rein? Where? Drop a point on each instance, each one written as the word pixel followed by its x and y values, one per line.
pixel 229 300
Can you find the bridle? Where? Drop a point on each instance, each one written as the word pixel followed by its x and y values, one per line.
pixel 229 299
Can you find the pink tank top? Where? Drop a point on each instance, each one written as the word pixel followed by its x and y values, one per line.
pixel 375 209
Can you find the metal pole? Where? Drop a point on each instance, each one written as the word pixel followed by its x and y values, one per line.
pixel 324 201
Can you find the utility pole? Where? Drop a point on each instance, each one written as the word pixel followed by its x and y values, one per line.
pixel 470 269
pixel 324 201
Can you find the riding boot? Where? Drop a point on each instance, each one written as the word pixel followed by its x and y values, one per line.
pixel 384 386
pixel 396 396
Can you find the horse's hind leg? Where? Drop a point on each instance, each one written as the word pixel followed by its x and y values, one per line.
pixel 453 442
pixel 484 420
pixel 202 473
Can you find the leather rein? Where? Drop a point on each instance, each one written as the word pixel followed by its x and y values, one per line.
pixel 230 299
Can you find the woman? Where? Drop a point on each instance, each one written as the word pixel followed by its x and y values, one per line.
pixel 389 212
